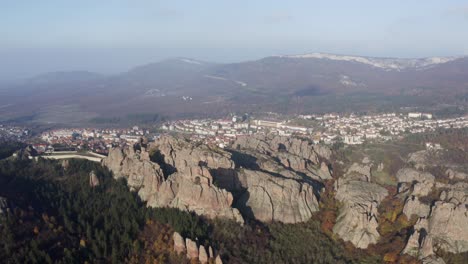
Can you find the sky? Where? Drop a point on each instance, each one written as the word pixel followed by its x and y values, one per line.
pixel 113 36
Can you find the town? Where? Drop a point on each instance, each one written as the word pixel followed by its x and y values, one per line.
pixel 324 129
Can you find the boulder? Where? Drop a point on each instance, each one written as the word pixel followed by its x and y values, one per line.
pixel 357 218
pixel 218 260
pixel 179 243
pixel 414 207
pixel 202 255
pixel 3 205
pixel 192 249
pixel 65 164
pixel 93 179
pixel 210 252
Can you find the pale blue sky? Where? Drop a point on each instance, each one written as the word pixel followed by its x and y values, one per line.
pixel 114 35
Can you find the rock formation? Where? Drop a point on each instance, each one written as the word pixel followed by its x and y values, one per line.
pixel 296 154
pixel 357 218
pixel 269 198
pixel 192 249
pixel 189 189
pixel 93 179
pixel 414 207
pixel 179 243
pixel 181 175
pixel 441 225
pixel 202 256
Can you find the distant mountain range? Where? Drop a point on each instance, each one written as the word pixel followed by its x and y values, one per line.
pixel 183 87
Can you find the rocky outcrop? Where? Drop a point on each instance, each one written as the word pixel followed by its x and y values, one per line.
pixel 421 182
pixel 357 217
pixel 93 179
pixel 452 174
pixel 441 225
pixel 25 153
pixel 180 155
pixel 189 189
pixel 297 154
pixel 414 207
pixel 202 255
pixel 195 192
pixel 192 249
pixel 135 165
pixel 448 226
pixel 270 198
pixel 218 260
pixel 181 174
pixel 179 243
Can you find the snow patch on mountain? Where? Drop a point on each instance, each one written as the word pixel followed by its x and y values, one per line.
pixel 191 61
pixel 383 63
pixel 243 84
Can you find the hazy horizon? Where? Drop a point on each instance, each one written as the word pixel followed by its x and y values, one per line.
pixel 49 36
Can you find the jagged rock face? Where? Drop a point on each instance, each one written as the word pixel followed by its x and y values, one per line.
pixel 201 197
pixel 296 154
pixel 357 219
pixel 190 189
pixel 269 198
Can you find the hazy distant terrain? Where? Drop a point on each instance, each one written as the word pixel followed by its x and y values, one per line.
pixel 288 84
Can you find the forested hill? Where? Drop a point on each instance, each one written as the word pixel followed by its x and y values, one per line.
pixel 51 214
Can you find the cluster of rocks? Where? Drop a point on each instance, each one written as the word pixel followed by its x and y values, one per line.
pixel 442 223
pixel 182 175
pixel 297 154
pixel 194 251
pixel 189 188
pixel 357 219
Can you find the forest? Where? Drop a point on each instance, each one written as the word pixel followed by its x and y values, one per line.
pixel 54 215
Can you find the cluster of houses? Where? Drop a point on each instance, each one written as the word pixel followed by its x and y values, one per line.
pixel 13 132
pixel 97 140
pixel 328 128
